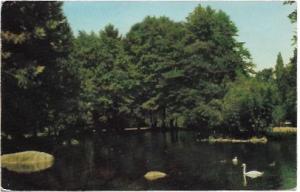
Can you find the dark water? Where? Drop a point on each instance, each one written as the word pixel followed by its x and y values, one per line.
pixel 119 163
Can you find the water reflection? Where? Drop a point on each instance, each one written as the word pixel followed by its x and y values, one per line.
pixel 119 162
pixel 245 181
pixel 28 168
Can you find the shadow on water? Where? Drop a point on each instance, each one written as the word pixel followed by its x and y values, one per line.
pixel 119 162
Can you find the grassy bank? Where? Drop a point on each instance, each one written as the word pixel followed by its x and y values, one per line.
pixel 232 140
pixel 282 133
pixel 285 130
pixel 275 134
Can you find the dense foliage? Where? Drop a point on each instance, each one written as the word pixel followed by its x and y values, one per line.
pixel 36 82
pixel 162 74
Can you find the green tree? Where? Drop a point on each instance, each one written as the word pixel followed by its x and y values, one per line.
pixel 36 40
pixel 280 73
pixel 213 59
pixel 248 105
pixel 265 75
pixel 291 74
pixel 293 18
pixel 155 47
pixel 106 81
pixel 291 89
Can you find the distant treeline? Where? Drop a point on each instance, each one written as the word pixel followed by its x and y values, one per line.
pixel 161 74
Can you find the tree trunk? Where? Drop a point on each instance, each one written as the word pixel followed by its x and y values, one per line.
pixel 163 118
pixel 151 119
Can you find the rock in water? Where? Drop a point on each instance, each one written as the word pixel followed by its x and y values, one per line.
pixel 154 175
pixel 27 161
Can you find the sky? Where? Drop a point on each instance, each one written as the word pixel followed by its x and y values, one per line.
pixel 263 25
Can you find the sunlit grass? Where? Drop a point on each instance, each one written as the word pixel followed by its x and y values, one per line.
pixel 231 140
pixel 284 130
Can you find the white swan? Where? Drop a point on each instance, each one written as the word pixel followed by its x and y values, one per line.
pixel 235 161
pixel 251 174
pixel 223 161
pixel 272 164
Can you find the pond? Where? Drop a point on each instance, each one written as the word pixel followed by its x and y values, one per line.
pixel 119 162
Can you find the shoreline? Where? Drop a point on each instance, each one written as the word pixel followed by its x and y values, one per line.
pixel 253 140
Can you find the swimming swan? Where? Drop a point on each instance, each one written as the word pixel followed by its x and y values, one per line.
pixel 251 174
pixel 235 161
pixel 223 161
pixel 272 164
